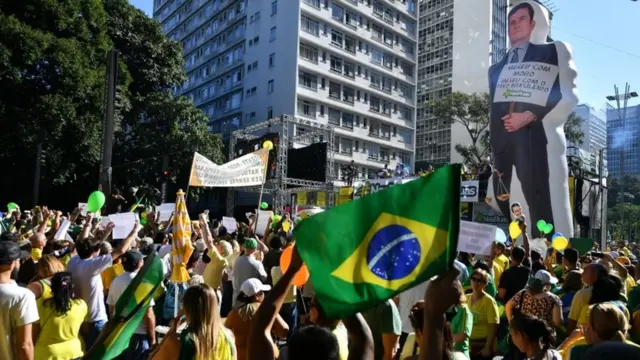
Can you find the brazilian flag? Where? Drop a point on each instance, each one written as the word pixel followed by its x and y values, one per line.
pixel 369 250
pixel 129 311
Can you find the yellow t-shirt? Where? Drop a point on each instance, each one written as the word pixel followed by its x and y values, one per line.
pixel 586 312
pixel 59 334
pixel 213 271
pixel 630 283
pixel 579 302
pixel 45 295
pixel 343 340
pixel 276 274
pixel 485 313
pixel 110 274
pixel 500 265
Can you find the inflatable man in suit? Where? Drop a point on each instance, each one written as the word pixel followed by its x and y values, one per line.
pixel 532 92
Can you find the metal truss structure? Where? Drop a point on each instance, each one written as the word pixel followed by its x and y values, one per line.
pixel 278 186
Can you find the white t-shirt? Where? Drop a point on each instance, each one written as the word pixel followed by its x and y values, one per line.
pixel 17 308
pixel 118 286
pixel 164 250
pixel 408 298
pixel 88 283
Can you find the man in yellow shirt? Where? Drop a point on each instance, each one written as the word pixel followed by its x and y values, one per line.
pixel 500 261
pixel 213 271
pixel 591 274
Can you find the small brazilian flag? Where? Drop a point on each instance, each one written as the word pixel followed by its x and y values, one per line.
pixel 368 250
pixel 129 311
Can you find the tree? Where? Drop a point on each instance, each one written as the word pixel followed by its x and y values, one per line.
pixel 572 129
pixel 52 69
pixel 472 112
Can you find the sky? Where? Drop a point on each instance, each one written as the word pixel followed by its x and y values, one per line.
pixel 602 35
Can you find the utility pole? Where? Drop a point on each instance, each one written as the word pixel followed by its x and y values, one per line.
pixel 108 126
pixel 36 175
pixel 165 178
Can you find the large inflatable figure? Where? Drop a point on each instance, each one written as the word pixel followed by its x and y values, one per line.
pixel 533 92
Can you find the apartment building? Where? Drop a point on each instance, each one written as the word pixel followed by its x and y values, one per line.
pixel 350 64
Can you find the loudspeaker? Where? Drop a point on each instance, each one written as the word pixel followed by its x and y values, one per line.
pixel 308 163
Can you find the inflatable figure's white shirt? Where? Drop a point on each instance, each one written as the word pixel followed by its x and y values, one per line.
pixel 553 124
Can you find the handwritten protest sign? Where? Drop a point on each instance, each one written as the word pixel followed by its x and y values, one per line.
pixel 528 82
pixel 247 170
pixel 165 210
pixel 476 238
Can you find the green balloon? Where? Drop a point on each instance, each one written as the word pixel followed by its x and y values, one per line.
pixel 264 205
pixel 541 225
pixel 96 201
pixel 548 228
pixel 12 206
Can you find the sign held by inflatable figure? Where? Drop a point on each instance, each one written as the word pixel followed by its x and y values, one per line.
pixel 469 189
pixel 533 92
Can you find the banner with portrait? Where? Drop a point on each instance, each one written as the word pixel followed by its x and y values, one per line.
pixel 533 91
pixel 247 170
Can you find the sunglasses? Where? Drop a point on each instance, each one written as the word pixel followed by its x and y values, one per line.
pixel 475 279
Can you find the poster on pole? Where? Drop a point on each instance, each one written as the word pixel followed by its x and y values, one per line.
pixel 247 170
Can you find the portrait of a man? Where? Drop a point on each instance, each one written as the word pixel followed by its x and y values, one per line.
pixel 526 87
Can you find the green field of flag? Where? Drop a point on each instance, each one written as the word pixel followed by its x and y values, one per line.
pixel 369 250
pixel 130 310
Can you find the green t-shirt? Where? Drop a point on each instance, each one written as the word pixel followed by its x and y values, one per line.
pixel 383 319
pixel 462 323
pixel 633 299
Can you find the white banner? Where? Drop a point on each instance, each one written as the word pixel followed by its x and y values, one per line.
pixel 247 170
pixel 529 82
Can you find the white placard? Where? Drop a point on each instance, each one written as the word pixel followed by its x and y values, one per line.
pixel 165 210
pixel 103 223
pixel 476 238
pixel 62 230
pixel 540 245
pixel 230 224
pixel 528 82
pixel 263 221
pixel 124 223
pixel 247 170
pixel 83 209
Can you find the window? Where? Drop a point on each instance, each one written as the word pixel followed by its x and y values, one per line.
pixel 376 56
pixel 334 90
pixel 350 69
pixel 314 3
pixel 337 12
pixel 306 108
pixel 273 34
pixel 308 80
pixel 405 91
pixel 384 154
pixel 376 80
pixel 376 32
pixel 270 86
pixel 348 94
pixel 404 158
pixel 385 131
pixel 337 38
pixel 347 120
pixel 269 112
pixel 388 38
pixel 346 146
pixel 351 19
pixel 374 104
pixel 274 8
pixel 309 25
pixel 334 117
pixel 387 61
pixel 336 64
pixel 272 59
pixel 308 53
pixel 251 91
pixel 350 44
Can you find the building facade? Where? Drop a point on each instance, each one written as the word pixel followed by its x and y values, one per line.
pixel 623 148
pixel 350 64
pixel 458 40
pixel 594 126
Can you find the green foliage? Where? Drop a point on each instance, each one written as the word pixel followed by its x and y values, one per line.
pixel 572 130
pixel 624 218
pixel 52 71
pixel 472 112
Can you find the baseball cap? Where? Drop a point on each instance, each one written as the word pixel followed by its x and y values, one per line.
pixel 545 277
pixel 9 252
pixel 250 243
pixel 131 259
pixel 253 286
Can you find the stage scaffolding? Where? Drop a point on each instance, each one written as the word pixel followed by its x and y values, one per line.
pixel 278 186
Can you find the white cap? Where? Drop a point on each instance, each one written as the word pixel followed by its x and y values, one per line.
pixel 545 277
pixel 253 286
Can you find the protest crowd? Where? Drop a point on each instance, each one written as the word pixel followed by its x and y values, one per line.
pixel 165 286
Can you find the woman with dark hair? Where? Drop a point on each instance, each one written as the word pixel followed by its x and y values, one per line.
pixel 57 334
pixel 537 300
pixel 48 266
pixel 533 337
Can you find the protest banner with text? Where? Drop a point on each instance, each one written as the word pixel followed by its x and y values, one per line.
pixel 247 170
